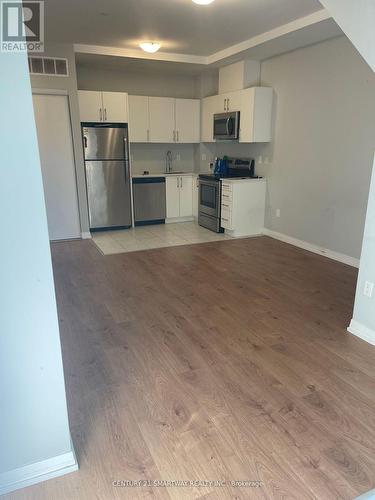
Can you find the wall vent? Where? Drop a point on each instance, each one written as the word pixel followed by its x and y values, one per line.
pixel 49 66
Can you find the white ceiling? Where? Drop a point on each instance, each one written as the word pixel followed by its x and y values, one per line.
pixel 180 25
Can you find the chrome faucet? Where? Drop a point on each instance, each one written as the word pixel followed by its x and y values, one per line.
pixel 168 162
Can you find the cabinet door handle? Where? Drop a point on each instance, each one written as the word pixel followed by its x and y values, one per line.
pixel 228 104
pixel 178 182
pixel 181 182
pixel 105 114
pixel 148 136
pixel 225 104
pixel 101 114
pixel 178 136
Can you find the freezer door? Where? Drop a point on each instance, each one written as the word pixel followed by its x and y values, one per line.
pixel 104 143
pixel 108 193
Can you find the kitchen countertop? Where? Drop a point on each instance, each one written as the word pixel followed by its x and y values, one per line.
pixel 243 179
pixel 163 174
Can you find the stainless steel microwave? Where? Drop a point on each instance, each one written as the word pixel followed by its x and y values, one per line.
pixel 227 126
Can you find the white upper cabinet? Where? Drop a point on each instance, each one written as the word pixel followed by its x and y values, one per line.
pixel 115 107
pixel 209 108
pixel 139 124
pixel 161 111
pixel 187 126
pixel 164 119
pixel 255 107
pixel 233 100
pixel 90 106
pixel 256 115
pixel 96 106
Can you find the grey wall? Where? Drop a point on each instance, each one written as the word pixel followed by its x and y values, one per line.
pixel 69 84
pixel 320 160
pixel 154 83
pixel 323 147
pixel 33 413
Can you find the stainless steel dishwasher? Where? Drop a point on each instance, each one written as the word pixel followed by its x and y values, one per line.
pixel 149 200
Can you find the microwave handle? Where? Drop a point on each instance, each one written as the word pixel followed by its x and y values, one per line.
pixel 229 120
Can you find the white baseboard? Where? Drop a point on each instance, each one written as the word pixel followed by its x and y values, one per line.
pixel 86 236
pixel 340 257
pixel 38 472
pixel 362 331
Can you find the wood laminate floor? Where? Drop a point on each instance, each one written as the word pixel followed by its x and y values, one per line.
pixel 222 361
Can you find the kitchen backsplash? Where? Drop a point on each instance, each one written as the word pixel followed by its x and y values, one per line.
pixel 152 157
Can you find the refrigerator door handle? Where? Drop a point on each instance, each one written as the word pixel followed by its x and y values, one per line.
pixel 101 114
pixel 85 142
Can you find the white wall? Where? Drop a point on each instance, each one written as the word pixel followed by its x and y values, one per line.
pixel 69 84
pixel 33 413
pixel 321 155
pixel 357 20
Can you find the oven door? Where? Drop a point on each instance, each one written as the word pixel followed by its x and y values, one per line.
pixel 209 197
pixel 226 126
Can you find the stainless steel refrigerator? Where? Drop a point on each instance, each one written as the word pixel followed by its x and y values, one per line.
pixel 106 150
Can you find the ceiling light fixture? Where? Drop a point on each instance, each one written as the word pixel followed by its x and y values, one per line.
pixel 203 2
pixel 150 47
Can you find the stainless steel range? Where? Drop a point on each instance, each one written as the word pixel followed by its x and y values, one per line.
pixel 210 191
pixel 209 202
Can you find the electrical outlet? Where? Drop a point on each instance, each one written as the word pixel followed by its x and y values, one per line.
pixel 178 157
pixel 260 160
pixel 278 212
pixel 368 289
pixel 204 157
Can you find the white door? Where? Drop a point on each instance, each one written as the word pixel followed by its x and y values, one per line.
pixel 90 106
pixel 209 108
pixel 186 196
pixel 161 119
pixel 115 107
pixel 138 118
pixel 173 196
pixel 53 125
pixel 188 120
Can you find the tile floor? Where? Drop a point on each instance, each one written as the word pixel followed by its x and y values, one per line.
pixel 148 237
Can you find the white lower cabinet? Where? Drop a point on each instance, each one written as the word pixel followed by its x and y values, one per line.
pixel 243 204
pixel 179 193
pixel 195 196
